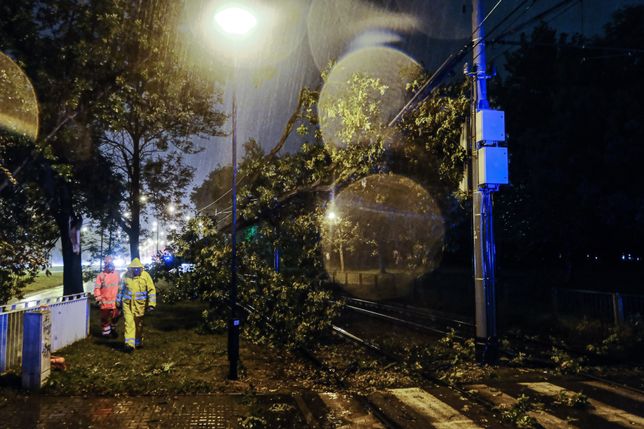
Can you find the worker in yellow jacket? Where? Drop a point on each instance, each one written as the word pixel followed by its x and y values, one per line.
pixel 136 296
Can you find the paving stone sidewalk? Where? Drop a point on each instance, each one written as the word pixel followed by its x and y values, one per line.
pixel 204 411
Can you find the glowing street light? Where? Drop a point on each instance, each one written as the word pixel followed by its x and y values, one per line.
pixel 235 21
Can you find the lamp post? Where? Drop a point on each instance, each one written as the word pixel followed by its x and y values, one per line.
pixel 234 21
pixel 156 226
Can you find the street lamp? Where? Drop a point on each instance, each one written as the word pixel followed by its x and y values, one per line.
pixel 238 22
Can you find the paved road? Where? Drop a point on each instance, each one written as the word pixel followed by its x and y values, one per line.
pixel 605 407
pixel 53 292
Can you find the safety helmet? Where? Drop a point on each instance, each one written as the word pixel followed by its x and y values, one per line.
pixel 136 263
pixel 108 264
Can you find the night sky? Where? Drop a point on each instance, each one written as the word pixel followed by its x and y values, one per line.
pixel 426 30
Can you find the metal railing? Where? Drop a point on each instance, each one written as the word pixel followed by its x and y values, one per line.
pixel 69 323
pixel 607 306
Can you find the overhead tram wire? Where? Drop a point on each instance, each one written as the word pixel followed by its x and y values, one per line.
pixel 451 61
pixel 583 48
pixel 447 65
pixel 517 43
pixel 568 4
pixel 455 58
pixel 542 15
pixel 486 17
pixel 241 179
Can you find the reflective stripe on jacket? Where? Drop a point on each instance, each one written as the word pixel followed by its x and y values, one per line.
pixel 106 288
pixel 137 293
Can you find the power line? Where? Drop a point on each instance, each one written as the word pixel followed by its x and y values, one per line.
pixel 486 17
pixel 508 16
pixel 241 179
pixel 535 18
pixel 540 16
pixel 454 58
pixel 447 65
pixel 581 47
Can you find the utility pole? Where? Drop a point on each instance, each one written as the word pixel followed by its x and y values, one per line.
pixel 489 170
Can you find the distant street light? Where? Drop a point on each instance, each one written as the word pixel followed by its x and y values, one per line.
pixel 235 21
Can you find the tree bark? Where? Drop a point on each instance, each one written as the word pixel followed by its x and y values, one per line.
pixel 72 268
pixel 135 199
pixel 61 206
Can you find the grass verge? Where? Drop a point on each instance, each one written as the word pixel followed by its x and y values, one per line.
pixel 43 282
pixel 177 358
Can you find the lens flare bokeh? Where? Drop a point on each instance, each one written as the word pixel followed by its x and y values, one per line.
pixel 380 234
pixel 18 103
pixel 362 93
pixel 335 27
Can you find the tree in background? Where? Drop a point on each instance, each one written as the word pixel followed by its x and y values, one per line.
pixel 94 65
pixel 155 110
pixel 52 44
pixel 27 233
pixel 574 121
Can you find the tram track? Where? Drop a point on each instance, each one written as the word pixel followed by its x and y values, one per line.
pixel 464 331
pixel 481 396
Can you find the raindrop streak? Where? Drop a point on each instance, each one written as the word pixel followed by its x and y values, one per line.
pixel 333 25
pixel 380 234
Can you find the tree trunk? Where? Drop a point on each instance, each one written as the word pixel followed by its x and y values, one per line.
pixel 72 269
pixel 135 196
pixel 102 255
pixel 59 196
pixel 341 259
pixel 134 243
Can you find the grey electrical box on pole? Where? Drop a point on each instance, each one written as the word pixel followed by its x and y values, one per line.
pixel 489 170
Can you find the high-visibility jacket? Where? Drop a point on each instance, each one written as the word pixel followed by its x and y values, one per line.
pixel 106 288
pixel 137 293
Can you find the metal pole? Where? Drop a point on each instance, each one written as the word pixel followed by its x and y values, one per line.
pixel 276 259
pixel 483 235
pixel 102 255
pixel 233 325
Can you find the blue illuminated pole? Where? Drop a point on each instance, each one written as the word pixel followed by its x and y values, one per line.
pixel 482 219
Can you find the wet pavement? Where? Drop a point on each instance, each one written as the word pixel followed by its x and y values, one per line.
pixel 207 411
pixel 604 405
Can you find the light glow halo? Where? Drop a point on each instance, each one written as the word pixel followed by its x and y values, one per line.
pixel 235 20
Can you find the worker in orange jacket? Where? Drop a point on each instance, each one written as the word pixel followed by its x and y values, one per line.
pixel 106 289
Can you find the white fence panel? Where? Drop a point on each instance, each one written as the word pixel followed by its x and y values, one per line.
pixel 69 323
